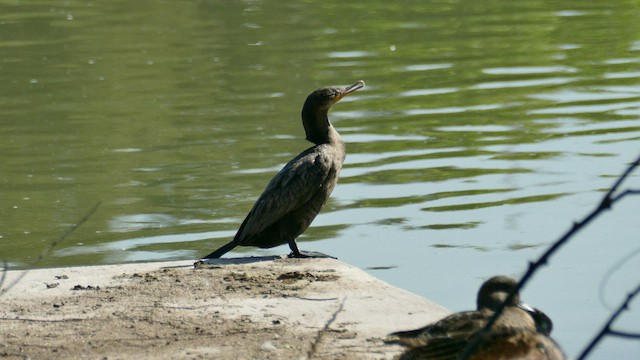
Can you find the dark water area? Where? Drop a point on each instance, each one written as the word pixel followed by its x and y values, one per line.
pixel 485 130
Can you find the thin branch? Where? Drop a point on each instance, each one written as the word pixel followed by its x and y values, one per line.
pixel 622 177
pixel 610 273
pixel 605 204
pixel 17 355
pixel 318 339
pixel 625 193
pixel 42 320
pixel 624 334
pixel 5 268
pixel 312 299
pixel 46 251
pixel 606 329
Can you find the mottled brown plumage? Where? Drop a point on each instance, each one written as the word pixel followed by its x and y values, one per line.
pixel 511 344
pixel 518 328
pixel 504 344
pixel 294 197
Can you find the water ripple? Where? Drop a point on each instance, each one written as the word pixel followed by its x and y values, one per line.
pixel 577 109
pixel 570 13
pixel 350 54
pixel 424 92
pixel 509 201
pixel 426 67
pixel 476 128
pixel 368 158
pixel 137 242
pixel 571 95
pixel 338 115
pixel 523 70
pixel 524 83
pixel 453 110
pixel 623 75
pixel 621 61
pixel 368 138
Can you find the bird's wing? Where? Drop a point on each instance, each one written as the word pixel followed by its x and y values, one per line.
pixel 290 189
pixel 516 343
pixel 437 349
pixel 458 325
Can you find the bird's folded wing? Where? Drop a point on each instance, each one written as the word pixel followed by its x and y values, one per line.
pixel 289 190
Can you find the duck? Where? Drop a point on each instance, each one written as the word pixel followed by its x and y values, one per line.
pixel 518 324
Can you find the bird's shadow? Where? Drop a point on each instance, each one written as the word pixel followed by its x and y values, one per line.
pixel 236 261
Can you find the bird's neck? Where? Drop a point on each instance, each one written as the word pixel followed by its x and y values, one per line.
pixel 318 128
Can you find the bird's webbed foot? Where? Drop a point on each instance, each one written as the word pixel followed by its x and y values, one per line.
pixel 296 253
pixel 309 254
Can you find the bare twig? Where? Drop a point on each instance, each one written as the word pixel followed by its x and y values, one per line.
pixel 41 320
pixel 16 355
pixel 5 267
pixel 311 299
pixel 612 270
pixel 624 334
pixel 605 204
pixel 46 251
pixel 606 329
pixel 314 346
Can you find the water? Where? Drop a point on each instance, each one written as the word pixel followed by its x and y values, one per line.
pixel 485 129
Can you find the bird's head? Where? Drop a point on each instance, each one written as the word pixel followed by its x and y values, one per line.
pixel 314 112
pixel 495 291
pixel 325 97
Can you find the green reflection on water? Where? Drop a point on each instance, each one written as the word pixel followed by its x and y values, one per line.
pixel 420 175
pixel 176 114
pixel 398 201
pixel 479 205
pixel 469 225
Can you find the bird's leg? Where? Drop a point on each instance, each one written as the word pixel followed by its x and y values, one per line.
pixel 296 253
pixel 294 249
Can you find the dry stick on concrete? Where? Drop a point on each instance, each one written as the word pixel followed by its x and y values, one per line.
pixel 606 329
pixel 22 319
pixel 314 345
pixel 46 251
pixel 5 267
pixel 605 204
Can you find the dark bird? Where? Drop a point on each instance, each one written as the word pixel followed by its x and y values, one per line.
pixel 294 197
pixel 519 324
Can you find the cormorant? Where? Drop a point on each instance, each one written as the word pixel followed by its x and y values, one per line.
pixel 296 194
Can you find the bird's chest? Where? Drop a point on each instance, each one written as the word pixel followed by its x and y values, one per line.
pixel 330 166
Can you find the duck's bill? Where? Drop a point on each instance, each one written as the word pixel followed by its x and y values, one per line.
pixel 526 308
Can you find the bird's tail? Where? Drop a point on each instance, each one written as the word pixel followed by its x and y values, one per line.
pixel 223 250
pixel 406 338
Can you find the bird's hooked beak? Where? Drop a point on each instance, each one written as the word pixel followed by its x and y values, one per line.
pixel 348 90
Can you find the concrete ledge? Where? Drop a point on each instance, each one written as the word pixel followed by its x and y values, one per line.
pixel 268 308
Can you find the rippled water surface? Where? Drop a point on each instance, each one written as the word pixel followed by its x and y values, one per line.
pixel 485 130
